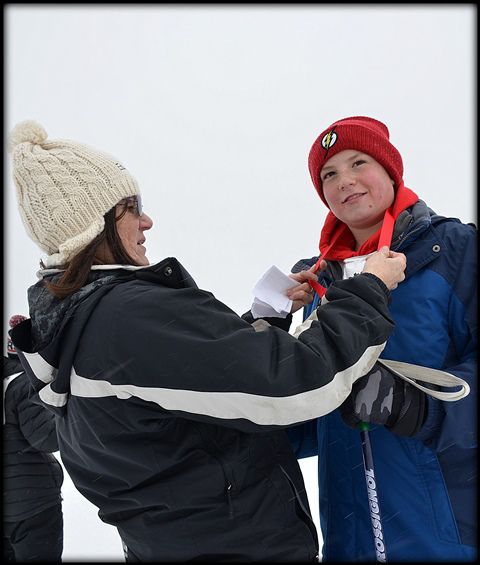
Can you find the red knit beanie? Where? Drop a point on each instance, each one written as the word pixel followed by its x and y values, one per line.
pixel 360 133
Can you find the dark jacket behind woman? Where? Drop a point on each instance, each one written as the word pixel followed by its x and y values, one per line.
pixel 32 476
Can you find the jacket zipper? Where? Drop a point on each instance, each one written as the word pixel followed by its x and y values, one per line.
pixel 228 488
pixel 215 452
pixel 230 503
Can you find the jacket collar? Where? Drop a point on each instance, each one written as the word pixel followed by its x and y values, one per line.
pixel 47 311
pixel 410 224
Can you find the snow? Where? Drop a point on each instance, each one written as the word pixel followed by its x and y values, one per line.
pixel 86 537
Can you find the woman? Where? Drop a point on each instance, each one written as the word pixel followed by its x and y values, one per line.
pixel 171 408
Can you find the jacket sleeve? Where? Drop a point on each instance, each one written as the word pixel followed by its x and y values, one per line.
pixel 36 422
pixel 282 323
pixel 451 423
pixel 303 438
pixel 200 360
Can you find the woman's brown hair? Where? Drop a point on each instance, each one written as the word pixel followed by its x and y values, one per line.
pixel 78 269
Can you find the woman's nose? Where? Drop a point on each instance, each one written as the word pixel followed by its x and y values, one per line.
pixel 145 222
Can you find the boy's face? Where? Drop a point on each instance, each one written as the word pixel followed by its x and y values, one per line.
pixel 357 188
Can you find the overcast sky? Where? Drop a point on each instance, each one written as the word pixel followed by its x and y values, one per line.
pixel 214 109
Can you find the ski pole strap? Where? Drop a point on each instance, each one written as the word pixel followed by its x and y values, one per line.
pixel 411 373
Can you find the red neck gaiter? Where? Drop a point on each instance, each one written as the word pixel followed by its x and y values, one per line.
pixel 337 241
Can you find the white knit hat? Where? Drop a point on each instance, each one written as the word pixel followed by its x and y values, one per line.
pixel 64 189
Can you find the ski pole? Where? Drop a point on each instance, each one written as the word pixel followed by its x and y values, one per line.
pixel 375 515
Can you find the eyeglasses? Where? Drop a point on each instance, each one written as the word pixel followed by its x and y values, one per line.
pixel 132 204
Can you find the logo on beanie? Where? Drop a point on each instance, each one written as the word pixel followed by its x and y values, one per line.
pixel 329 139
pixel 120 166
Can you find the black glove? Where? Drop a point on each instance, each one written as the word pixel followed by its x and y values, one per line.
pixel 380 397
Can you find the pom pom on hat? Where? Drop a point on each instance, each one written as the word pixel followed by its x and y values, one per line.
pixel 27 131
pixel 14 321
pixel 361 133
pixel 64 190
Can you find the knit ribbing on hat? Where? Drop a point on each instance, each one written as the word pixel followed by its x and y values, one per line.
pixel 64 189
pixel 360 133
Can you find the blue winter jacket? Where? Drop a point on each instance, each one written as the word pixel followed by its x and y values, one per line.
pixel 426 484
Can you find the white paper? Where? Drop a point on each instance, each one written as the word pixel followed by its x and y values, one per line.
pixel 269 294
pixel 262 309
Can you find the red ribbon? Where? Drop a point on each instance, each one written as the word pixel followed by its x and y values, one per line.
pixel 385 238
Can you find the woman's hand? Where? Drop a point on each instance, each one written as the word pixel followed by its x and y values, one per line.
pixel 389 266
pixel 303 294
